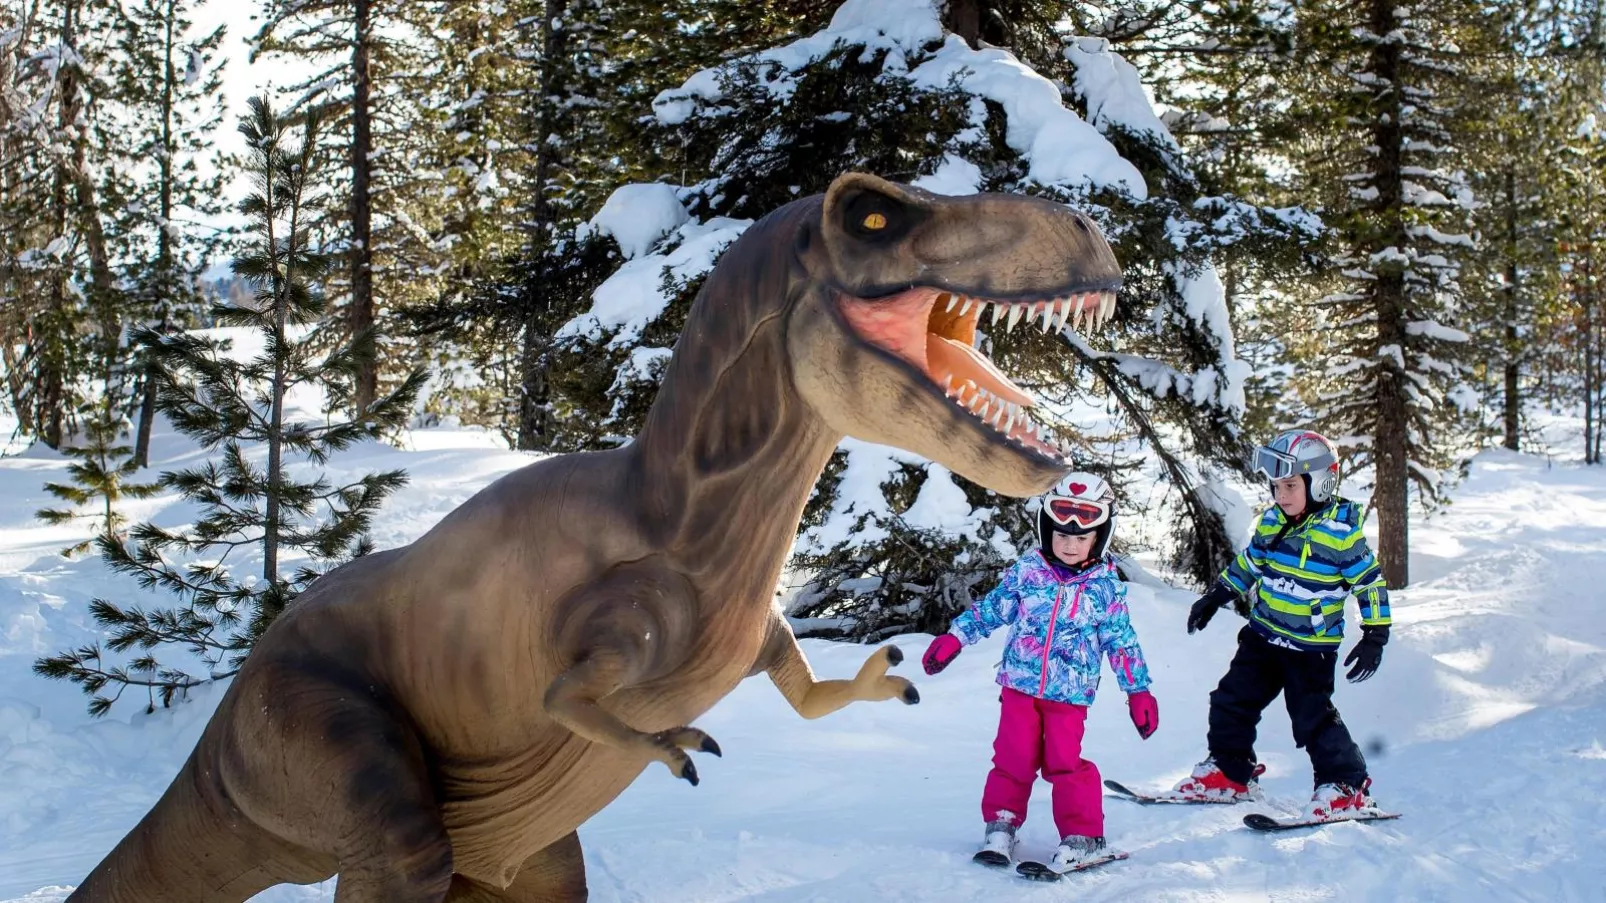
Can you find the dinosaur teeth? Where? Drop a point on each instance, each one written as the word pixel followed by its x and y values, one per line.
pixel 998 310
pixel 965 306
pixel 1067 305
pixel 952 300
pixel 1015 311
pixel 1046 316
pixel 1107 307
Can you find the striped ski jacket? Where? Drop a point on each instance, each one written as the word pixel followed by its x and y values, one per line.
pixel 1302 573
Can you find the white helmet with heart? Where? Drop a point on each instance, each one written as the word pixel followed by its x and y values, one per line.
pixel 1079 503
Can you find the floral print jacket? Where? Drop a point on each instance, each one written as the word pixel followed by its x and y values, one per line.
pixel 1060 626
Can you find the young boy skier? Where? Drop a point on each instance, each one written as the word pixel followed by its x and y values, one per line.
pixel 1306 557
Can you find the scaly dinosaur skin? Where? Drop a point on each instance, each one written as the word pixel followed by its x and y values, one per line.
pixel 434 722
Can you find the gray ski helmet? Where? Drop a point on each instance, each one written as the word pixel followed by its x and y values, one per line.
pixel 1304 453
pixel 1079 503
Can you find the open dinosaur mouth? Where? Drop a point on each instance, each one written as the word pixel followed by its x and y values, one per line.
pixel 935 331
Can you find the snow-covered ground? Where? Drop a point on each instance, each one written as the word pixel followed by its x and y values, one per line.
pixel 1486 726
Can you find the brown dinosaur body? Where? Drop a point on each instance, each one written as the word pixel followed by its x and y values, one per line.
pixel 435 722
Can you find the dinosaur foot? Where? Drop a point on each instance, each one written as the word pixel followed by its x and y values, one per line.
pixel 669 747
pixel 874 683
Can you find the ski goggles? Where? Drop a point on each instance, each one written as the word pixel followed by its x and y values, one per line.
pixel 1272 464
pixel 1077 512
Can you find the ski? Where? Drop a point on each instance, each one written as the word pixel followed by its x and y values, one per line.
pixel 1037 871
pixel 1260 822
pixel 1165 796
pixel 991 859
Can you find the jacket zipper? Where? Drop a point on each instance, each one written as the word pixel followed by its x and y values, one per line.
pixel 1048 641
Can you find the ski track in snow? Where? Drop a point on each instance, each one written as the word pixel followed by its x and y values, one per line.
pixel 1484 727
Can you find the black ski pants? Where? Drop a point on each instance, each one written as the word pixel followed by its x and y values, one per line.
pixel 1259 671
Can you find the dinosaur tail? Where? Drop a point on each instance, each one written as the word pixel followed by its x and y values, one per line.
pixel 192 847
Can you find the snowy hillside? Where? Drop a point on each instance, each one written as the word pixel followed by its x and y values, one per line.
pixel 1485 727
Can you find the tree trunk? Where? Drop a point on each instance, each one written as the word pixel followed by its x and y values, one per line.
pixel 164 248
pixel 49 396
pixel 280 276
pixel 362 244
pixel 1513 397
pixel 963 18
pixel 534 433
pixel 1587 330
pixel 1391 448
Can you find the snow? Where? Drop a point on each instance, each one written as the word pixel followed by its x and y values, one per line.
pixel 639 214
pixel 629 300
pixel 1484 726
pixel 1061 148
pixel 954 176
pixel 858 496
pixel 1435 330
pixel 1113 91
pixel 1204 300
pixel 899 26
pixel 941 505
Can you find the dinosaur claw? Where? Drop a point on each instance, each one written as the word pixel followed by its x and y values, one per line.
pixel 709 746
pixel 911 696
pixel 894 655
pixel 689 772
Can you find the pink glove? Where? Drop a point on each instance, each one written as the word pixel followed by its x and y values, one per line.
pixel 941 653
pixel 1145 713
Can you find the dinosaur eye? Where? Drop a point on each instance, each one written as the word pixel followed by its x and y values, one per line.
pixel 874 217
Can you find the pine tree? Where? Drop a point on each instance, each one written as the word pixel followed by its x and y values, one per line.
pixel 367 86
pixel 169 81
pixel 880 550
pixel 102 475
pixel 527 117
pixel 232 407
pixel 1381 137
pixel 62 325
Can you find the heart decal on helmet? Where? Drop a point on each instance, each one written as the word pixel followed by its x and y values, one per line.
pixel 1078 488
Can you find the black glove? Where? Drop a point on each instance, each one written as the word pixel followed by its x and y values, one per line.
pixel 1367 654
pixel 1203 610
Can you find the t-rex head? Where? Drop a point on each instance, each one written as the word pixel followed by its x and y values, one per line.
pixel 883 351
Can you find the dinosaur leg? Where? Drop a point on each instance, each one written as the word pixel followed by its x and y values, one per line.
pixel 194 847
pixel 322 760
pixel 790 671
pixel 572 702
pixel 390 841
pixel 557 874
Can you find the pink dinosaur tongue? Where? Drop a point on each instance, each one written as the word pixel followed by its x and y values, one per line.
pixel 946 357
pixel 914 328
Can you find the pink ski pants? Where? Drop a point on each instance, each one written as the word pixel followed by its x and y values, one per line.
pixel 1038 734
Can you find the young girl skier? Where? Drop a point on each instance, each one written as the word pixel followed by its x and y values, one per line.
pixel 1065 605
pixel 1307 555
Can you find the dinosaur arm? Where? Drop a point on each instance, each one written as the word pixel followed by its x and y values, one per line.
pixel 783 661
pixel 625 636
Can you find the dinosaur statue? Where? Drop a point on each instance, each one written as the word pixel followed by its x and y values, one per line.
pixel 434 722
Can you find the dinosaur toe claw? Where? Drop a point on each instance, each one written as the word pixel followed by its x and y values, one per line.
pixel 689 772
pixel 709 746
pixel 911 696
pixel 894 655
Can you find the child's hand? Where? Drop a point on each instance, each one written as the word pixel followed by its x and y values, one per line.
pixel 1145 713
pixel 941 653
pixel 1207 606
pixel 1367 654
